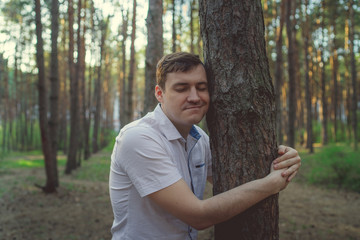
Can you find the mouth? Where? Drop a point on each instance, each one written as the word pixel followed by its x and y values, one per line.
pixel 193 107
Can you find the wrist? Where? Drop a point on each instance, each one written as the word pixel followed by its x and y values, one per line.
pixel 275 182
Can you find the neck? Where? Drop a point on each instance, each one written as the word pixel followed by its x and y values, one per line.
pixel 184 131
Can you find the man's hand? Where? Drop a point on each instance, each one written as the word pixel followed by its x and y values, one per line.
pixel 289 158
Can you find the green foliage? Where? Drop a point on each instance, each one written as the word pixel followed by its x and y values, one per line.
pixel 336 165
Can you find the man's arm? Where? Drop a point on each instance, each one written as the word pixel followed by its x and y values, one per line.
pixel 179 200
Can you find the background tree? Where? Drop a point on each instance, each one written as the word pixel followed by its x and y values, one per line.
pixel 122 82
pixel 51 181
pixel 309 130
pixel 98 87
pixel 132 66
pixel 292 76
pixel 323 79
pixel 241 118
pixel 54 80
pixel 353 72
pixel 74 91
pixel 279 71
pixel 154 51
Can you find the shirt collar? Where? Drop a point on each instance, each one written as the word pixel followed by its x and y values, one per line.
pixel 167 128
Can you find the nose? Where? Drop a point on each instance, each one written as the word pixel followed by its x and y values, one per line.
pixel 193 95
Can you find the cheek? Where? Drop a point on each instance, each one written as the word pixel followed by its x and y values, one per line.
pixel 205 97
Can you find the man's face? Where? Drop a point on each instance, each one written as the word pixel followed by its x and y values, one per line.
pixel 185 99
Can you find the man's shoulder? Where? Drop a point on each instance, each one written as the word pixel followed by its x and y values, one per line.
pixel 137 131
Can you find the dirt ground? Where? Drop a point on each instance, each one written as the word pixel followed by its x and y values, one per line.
pixel 81 210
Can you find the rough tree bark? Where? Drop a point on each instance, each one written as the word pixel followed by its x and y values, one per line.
pixel 241 118
pixel 154 51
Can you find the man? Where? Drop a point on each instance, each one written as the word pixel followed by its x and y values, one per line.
pixel 160 163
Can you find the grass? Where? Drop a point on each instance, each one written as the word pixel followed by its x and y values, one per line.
pixel 334 166
pixel 33 159
pixel 95 169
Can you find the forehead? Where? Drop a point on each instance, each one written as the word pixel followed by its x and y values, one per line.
pixel 195 75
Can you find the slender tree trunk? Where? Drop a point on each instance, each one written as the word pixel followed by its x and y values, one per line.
pixel 154 51
pixel 192 4
pixel 333 11
pixel 85 108
pixel 122 98
pixel 353 73
pixel 98 88
pixel 279 73
pixel 74 91
pixel 131 77
pixel 51 181
pixel 79 75
pixel 5 102
pixel 309 141
pixel 241 118
pixel 323 84
pixel 54 79
pixel 173 26
pixel 292 77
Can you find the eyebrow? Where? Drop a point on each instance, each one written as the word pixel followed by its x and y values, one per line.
pixel 185 84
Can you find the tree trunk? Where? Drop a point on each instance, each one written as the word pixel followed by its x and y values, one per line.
pixel 292 78
pixel 74 91
pixel 131 77
pixel 154 51
pixel 323 82
pixel 192 4
pixel 279 73
pixel 173 26
pixel 54 79
pixel 241 118
pixel 51 181
pixel 98 88
pixel 122 98
pixel 306 36
pixel 85 109
pixel 333 11
pixel 353 73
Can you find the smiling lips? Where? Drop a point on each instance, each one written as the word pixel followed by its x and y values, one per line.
pixel 193 107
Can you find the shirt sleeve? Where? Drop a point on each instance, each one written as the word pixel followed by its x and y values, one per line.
pixel 145 160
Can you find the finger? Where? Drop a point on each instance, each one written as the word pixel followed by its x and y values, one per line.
pixel 287 163
pixel 290 153
pixel 292 176
pixel 291 170
pixel 281 149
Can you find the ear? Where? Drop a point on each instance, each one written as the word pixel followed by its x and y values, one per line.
pixel 158 93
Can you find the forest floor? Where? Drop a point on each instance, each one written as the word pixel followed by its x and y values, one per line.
pixel 81 209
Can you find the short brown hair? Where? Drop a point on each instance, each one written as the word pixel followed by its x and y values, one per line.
pixel 175 62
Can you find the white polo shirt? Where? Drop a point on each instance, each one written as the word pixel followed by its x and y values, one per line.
pixel 149 155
